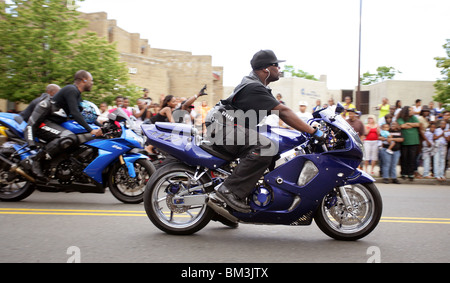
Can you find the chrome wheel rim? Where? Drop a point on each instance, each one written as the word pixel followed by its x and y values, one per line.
pixel 356 217
pixel 178 217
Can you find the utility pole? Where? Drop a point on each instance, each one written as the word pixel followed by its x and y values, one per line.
pixel 358 91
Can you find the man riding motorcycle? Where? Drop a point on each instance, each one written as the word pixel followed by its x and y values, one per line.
pixel 255 157
pixel 46 118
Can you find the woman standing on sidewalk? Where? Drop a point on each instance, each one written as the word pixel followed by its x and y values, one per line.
pixel 371 143
pixel 410 131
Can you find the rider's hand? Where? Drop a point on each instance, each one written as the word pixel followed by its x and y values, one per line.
pixel 97 133
pixel 319 136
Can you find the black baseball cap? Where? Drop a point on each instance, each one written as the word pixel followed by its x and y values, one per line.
pixel 263 59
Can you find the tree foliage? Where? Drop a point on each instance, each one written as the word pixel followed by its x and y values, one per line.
pixel 383 73
pixel 42 42
pixel 298 73
pixel 443 85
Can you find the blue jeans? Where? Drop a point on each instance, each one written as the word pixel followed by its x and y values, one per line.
pixel 427 154
pixel 439 161
pixel 390 161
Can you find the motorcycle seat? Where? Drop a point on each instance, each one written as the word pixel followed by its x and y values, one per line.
pixel 211 149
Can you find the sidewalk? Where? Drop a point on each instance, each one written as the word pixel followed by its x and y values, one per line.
pixel 379 179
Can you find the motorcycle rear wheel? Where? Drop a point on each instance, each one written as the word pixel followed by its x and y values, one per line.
pixel 13 187
pixel 170 218
pixel 354 222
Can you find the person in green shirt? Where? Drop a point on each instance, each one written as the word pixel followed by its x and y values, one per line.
pixel 410 126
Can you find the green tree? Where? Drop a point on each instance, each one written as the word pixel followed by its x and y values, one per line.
pixel 41 43
pixel 298 73
pixel 443 85
pixel 383 73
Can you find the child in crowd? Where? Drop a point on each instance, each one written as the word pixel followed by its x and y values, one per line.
pixel 384 132
pixel 428 149
pixel 441 138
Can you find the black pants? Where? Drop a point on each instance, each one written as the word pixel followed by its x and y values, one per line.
pixel 57 137
pixel 408 160
pixel 256 153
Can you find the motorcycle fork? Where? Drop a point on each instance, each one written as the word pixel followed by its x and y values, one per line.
pixel 121 160
pixel 346 199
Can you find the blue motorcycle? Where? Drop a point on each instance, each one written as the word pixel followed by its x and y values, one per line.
pixel 116 161
pixel 307 181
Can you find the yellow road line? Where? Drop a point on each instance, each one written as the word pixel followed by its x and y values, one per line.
pixel 415 220
pixel 71 214
pixel 75 212
pixel 136 213
pixel 70 210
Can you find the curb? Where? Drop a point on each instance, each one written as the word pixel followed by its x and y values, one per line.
pixel 430 182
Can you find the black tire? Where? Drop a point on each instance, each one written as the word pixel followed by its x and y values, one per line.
pixel 157 207
pixel 13 187
pixel 340 224
pixel 126 189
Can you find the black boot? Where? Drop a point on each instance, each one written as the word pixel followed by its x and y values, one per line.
pixel 36 167
pixel 232 200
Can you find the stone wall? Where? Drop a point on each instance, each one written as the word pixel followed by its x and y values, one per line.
pixel 162 71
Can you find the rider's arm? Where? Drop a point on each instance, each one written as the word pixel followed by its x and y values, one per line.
pixel 290 118
pixel 72 103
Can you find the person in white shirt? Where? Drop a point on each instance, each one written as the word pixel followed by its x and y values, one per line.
pixel 103 117
pixel 428 149
pixel 303 114
pixel 417 108
pixel 441 138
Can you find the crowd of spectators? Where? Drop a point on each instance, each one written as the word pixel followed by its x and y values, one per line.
pixel 145 110
pixel 410 136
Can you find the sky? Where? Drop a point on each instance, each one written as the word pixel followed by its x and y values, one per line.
pixel 320 37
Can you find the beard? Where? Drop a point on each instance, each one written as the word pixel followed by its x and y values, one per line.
pixel 87 88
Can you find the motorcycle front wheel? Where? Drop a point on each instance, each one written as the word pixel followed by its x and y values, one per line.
pixel 162 187
pixel 351 212
pixel 127 189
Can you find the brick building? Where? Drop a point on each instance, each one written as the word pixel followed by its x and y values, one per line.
pixel 161 71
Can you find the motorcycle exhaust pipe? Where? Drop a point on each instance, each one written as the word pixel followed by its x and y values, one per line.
pixel 215 205
pixel 15 169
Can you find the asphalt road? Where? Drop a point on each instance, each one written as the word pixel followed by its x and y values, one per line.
pixel 59 228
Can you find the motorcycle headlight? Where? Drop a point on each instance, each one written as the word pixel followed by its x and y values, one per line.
pixel 308 172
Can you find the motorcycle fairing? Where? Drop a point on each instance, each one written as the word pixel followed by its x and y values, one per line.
pixel 76 128
pixel 108 151
pixel 288 195
pixel 285 139
pixel 14 122
pixel 177 139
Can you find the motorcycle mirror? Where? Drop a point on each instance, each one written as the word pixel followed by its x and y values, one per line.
pixel 339 108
